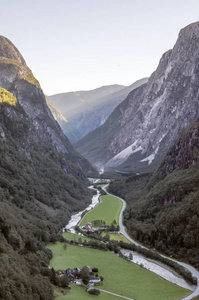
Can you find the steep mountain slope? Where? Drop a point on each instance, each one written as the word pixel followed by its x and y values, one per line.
pixel 72 134
pixel 42 181
pixel 163 209
pixel 150 118
pixel 17 78
pixel 90 109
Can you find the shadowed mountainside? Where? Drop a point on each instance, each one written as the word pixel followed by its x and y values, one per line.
pixel 42 181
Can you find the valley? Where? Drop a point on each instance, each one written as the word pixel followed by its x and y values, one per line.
pixel 143 234
pixel 93 256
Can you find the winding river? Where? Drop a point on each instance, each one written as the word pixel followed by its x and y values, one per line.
pixel 154 266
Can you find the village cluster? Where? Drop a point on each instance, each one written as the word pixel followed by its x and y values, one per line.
pixel 86 276
pixel 88 228
pixel 74 275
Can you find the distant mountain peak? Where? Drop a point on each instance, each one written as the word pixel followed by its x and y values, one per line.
pixel 87 110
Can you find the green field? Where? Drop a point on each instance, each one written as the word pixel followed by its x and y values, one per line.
pixel 116 237
pixel 102 185
pixel 102 211
pixel 120 276
pixel 78 292
pixel 75 237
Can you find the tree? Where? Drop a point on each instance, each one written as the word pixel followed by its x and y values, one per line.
pixel 85 275
pixel 95 270
pixel 93 291
pixel 130 256
pixel 64 281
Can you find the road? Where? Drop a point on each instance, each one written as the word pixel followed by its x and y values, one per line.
pixel 194 272
pixel 115 294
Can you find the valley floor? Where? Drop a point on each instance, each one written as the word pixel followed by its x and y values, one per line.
pixel 121 277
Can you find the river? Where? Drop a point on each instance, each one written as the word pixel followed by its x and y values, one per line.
pixel 77 217
pixel 154 266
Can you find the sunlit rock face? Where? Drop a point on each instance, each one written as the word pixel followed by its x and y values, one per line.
pixel 152 116
pixel 72 133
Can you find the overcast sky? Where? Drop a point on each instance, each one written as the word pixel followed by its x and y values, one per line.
pixel 73 45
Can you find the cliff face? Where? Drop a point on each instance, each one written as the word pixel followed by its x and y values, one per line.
pixel 151 117
pixel 18 79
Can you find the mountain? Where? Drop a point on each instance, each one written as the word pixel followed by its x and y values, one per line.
pixel 72 134
pixel 163 208
pixel 87 110
pixel 42 181
pixel 138 133
pixel 69 103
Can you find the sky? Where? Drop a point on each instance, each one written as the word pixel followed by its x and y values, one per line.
pixel 73 45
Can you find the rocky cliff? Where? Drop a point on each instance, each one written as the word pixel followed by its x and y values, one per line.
pixel 149 120
pixel 18 79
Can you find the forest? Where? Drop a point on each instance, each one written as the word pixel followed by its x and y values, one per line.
pixel 163 211
pixel 37 199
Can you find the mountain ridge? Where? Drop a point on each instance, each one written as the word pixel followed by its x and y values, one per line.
pixel 87 110
pixel 152 115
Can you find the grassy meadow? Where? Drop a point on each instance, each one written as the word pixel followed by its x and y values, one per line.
pixel 120 276
pixel 116 237
pixel 75 237
pixel 102 211
pixel 102 185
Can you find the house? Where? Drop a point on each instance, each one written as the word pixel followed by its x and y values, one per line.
pixel 88 226
pixel 103 227
pixel 94 279
pixel 78 282
pixel 72 273
pixel 74 276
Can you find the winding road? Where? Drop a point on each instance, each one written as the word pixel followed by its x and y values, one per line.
pixel 194 272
